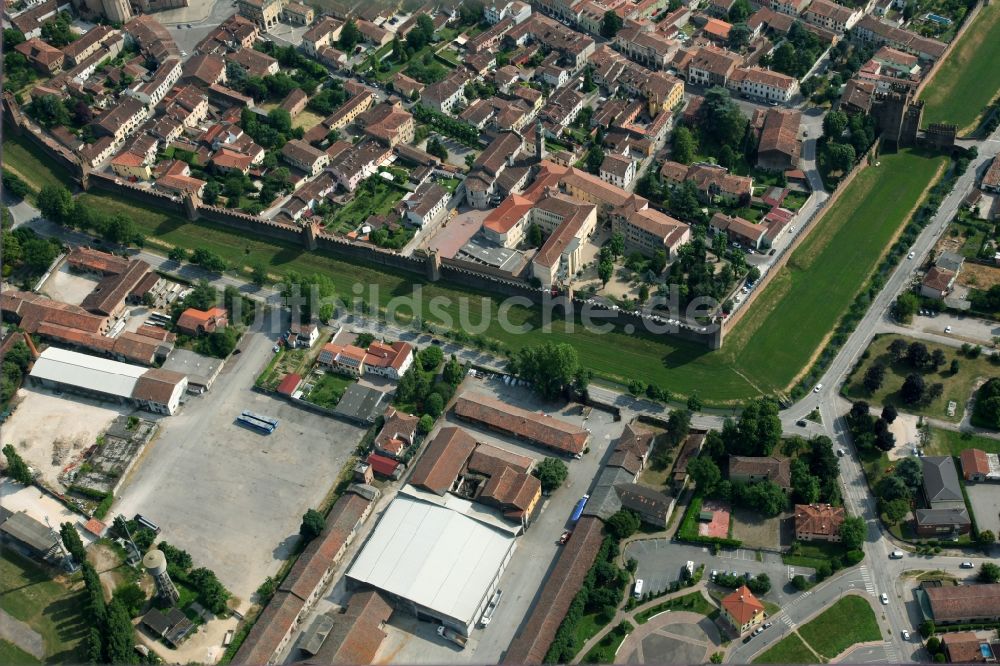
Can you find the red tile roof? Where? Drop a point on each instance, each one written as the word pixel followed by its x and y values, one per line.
pixel 382 465
pixel 289 383
pixel 818 519
pixel 545 430
pixel 741 605
pixel 443 459
pixel 357 633
pixel 974 461
pixel 964 602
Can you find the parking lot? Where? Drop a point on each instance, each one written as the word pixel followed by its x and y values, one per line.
pixel 230 496
pixel 985 501
pixel 661 562
pixel 416 642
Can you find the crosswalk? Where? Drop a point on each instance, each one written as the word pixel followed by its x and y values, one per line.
pixel 789 622
pixel 891 653
pixel 866 576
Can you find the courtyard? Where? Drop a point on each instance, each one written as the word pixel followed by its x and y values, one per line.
pixel 673 637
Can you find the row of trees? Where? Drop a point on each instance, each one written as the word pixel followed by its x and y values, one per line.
pixel 57 204
pixel 870 433
pixel 986 411
pixel 551 368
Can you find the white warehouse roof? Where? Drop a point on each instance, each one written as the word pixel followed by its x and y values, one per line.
pixel 433 556
pixel 88 372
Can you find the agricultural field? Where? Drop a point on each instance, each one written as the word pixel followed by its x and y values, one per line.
pixel 965 83
pixel 956 387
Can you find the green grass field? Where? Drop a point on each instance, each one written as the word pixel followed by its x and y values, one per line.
pixel 51 608
pixel 950 443
pixel 851 620
pixel 762 355
pixel 11 654
pixel 22 157
pixel 957 388
pixel 329 389
pixel 804 301
pixel 969 78
pixel 789 650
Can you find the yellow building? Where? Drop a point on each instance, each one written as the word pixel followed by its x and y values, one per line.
pixel 743 610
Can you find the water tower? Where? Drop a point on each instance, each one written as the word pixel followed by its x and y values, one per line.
pixel 156 564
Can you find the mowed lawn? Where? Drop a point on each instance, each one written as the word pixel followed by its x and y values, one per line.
pixel 53 609
pixel 23 158
pixel 955 387
pixel 802 305
pixel 950 443
pixel 789 650
pixel 969 77
pixel 851 620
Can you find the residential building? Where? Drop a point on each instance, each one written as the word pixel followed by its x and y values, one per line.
pixel 347 359
pixel 991 179
pixel 779 147
pixel 937 283
pixel 945 512
pixel 789 7
pixel 204 70
pixel 753 469
pixel 177 180
pixel 121 120
pixel 650 49
pixel 302 336
pixel 253 62
pixel 832 16
pixel 390 361
pixel 965 647
pixel 359 162
pixel 296 13
pixel 764 84
pixel 978 465
pixel 498 10
pixel 131 166
pixel 389 123
pixel 196 322
pixel 89 43
pixel 163 79
pixel 46 59
pixel 870 29
pixel 426 205
pixel 374 34
pixel 818 522
pixel 302 156
pixel 712 66
pixel 714 183
pixel 295 102
pixel 738 230
pixel 325 33
pixel 444 95
pixel 265 13
pixel 742 610
pixel 398 433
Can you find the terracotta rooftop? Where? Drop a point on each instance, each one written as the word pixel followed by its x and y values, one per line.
pixel 742 605
pixel 818 519
pixel 443 459
pixel 963 602
pixel 546 430
pixel 974 461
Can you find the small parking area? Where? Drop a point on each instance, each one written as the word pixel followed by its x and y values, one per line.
pixel 985 501
pixel 230 496
pixel 671 638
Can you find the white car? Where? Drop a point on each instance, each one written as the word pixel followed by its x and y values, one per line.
pixel 905 634
pixel 947 329
pixel 884 598
pixel 818 388
pixel 911 255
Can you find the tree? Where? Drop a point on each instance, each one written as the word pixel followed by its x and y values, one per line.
pixel 605 269
pixel 55 203
pixel 906 306
pixel 720 118
pixel 350 35
pixel 17 469
pixel 594 159
pixel 852 532
pixel 889 414
pixel 917 355
pixel 874 376
pixel 800 583
pixel 840 156
pixel 758 430
pixel 549 367
pixel 694 403
pixel 891 488
pixel 426 423
pixel 804 485
pixel 986 409
pixel 989 573
pixel 211 593
pixel 611 24
pixel 131 597
pixel 73 543
pixel 535 236
pixel 766 497
pixel 884 439
pixel 623 524
pixel 705 474
pixel 434 404
pixel 760 584
pixel 954 366
pixel 119 635
pixel 895 511
pixel 986 538
pixel 739 36
pixel 938 358
pixel 177 254
pixel 834 125
pixel 430 357
pixel 740 11
pixel 910 470
pixel 684 145
pixel 913 389
pixel 258 273
pixel 927 629
pixel 453 371
pixel 49 111
pixel 312 525
pixel 551 472
pixel 897 349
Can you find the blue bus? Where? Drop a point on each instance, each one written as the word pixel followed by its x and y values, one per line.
pixel 578 511
pixel 255 421
pixel 261 417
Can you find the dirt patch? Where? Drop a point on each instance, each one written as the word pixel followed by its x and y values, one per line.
pixel 755 531
pixel 62 285
pixel 979 276
pixel 907 435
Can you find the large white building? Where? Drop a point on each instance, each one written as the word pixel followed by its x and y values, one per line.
pixel 152 389
pixel 441 558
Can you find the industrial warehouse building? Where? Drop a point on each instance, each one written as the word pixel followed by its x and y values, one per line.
pixel 153 389
pixel 440 560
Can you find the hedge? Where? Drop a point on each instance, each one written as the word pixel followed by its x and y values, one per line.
pixel 688 530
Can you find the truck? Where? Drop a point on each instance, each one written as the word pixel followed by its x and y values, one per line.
pixel 453 636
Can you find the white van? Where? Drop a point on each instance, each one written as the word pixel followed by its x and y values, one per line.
pixel 638 588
